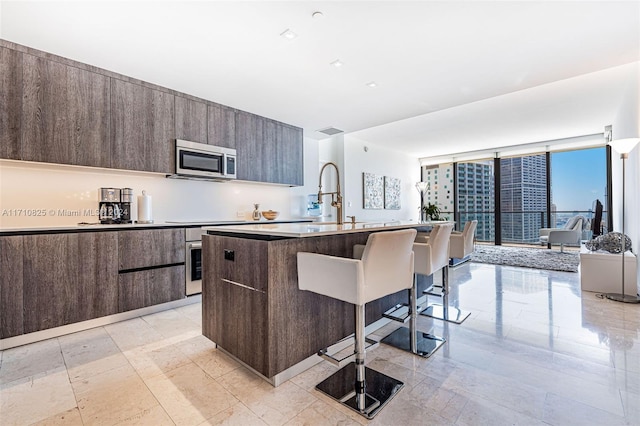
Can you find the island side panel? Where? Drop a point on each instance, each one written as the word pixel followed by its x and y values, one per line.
pixel 234 314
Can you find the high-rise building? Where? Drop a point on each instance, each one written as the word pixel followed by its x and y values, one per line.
pixel 523 197
pixel 475 192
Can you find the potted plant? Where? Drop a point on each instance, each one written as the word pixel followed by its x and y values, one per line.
pixel 432 211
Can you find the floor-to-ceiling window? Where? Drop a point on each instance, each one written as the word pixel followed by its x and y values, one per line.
pixel 523 198
pixel 475 196
pixel 578 179
pixel 533 191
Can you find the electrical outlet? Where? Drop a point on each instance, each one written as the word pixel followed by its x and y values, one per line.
pixel 240 214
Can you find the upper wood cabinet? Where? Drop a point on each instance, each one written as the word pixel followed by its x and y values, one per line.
pixel 221 125
pixel 69 278
pixel 65 114
pixel 191 120
pixel 11 104
pixel 289 155
pixel 250 146
pixel 268 150
pixel 142 128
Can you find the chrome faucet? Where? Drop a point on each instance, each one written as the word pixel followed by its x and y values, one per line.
pixel 336 197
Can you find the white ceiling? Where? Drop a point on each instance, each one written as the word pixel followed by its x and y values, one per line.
pixel 451 76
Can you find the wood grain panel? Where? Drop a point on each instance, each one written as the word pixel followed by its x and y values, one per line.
pixel 298 323
pixel 65 114
pixel 221 125
pixel 69 278
pixel 191 120
pixel 11 287
pixel 289 155
pixel 150 247
pixel 250 147
pixel 142 128
pixel 11 105
pixel 150 287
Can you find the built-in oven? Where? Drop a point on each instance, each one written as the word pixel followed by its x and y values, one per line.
pixel 193 259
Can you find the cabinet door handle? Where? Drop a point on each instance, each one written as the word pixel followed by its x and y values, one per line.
pixel 242 285
pixel 191 246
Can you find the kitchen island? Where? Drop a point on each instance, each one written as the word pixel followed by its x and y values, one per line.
pixel 251 305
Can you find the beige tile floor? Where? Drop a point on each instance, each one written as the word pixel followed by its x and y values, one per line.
pixel 535 350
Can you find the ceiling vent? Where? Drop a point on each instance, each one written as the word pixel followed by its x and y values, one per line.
pixel 330 131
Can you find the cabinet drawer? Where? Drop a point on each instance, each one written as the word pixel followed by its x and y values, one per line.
pixel 148 248
pixel 150 287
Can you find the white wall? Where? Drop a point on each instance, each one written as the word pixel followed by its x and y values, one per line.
pixel 385 162
pixel 52 189
pixel 627 124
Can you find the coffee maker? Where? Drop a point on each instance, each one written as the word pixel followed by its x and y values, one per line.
pixel 109 207
pixel 126 198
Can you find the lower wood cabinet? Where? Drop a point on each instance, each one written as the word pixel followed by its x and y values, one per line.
pixel 69 278
pixel 11 287
pixel 150 287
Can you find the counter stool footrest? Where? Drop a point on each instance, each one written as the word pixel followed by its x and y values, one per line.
pixel 426 344
pixel 446 313
pixel 434 290
pixel 379 389
pixel 341 362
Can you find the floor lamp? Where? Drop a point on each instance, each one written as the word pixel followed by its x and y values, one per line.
pixel 422 187
pixel 623 146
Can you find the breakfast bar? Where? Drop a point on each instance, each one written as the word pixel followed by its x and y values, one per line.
pixel 251 305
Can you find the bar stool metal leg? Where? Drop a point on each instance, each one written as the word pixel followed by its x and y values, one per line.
pixel 444 311
pixel 362 389
pixel 410 339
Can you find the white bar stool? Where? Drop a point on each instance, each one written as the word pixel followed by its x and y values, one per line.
pixel 429 258
pixel 386 267
pixel 460 246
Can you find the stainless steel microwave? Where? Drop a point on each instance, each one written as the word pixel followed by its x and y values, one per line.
pixel 199 160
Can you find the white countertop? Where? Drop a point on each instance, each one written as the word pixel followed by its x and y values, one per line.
pixel 301 230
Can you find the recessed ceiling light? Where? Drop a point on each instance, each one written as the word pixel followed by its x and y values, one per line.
pixel 372 84
pixel 289 35
pixel 337 63
pixel 317 15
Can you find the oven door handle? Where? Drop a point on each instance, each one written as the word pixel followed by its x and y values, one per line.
pixel 197 245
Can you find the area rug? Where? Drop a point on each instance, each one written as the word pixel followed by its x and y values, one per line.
pixel 527 258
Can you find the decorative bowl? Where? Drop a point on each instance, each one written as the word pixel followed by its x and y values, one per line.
pixel 270 214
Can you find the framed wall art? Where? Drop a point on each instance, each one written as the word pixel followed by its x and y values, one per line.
pixel 391 193
pixel 373 191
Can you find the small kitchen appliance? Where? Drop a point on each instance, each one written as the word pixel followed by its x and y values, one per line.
pixel 126 198
pixel 109 206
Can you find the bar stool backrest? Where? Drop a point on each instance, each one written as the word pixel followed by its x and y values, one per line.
pixel 439 242
pixel 388 263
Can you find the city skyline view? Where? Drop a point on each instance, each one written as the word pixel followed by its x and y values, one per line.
pixel 578 178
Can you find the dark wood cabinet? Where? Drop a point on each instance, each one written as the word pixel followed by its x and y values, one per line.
pixel 65 114
pixel 142 128
pixel 289 155
pixel 191 120
pixel 268 150
pixel 151 265
pixel 150 287
pixel 11 286
pixel 69 278
pixel 236 289
pixel 249 146
pixel 221 125
pixel 11 105
pixel 150 247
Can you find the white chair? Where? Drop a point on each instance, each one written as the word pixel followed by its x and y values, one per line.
pixel 460 247
pixel 386 267
pixel 429 258
pixel 570 234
